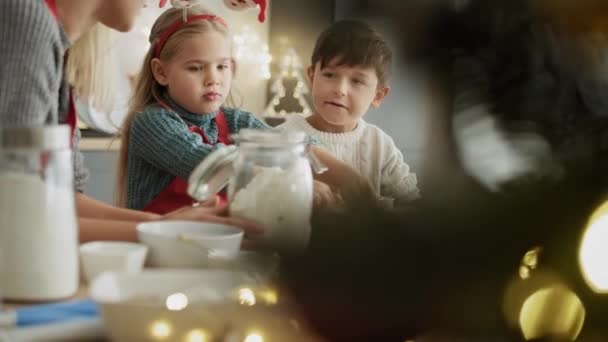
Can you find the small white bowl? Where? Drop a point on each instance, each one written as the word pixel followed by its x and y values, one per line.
pixel 183 244
pixel 100 256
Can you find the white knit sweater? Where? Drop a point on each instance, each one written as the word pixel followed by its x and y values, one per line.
pixel 370 151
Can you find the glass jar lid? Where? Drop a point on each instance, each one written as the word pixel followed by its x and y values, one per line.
pixel 269 138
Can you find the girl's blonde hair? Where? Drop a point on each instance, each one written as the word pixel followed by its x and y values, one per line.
pixel 147 91
pixel 91 66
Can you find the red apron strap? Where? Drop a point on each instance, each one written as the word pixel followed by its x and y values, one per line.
pixel 175 195
pixel 223 136
pixel 223 132
pixel 71 117
pixel 52 6
pixel 197 130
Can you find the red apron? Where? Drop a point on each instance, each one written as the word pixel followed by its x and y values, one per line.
pixel 71 117
pixel 175 195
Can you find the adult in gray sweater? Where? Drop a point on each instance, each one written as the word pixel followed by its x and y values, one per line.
pixel 34 38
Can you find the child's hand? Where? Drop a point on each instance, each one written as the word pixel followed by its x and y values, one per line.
pixel 324 196
pixel 214 212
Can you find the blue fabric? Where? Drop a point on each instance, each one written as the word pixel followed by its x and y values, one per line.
pixel 57 312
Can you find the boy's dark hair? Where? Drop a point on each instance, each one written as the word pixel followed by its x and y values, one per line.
pixel 354 43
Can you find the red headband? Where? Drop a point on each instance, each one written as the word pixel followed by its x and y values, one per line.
pixel 179 23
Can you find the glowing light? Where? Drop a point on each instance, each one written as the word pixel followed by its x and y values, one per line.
pixel 529 262
pixel 246 297
pixel 160 330
pixel 249 50
pixel 177 302
pixel 554 312
pixel 290 67
pixel 524 272
pixel 599 212
pixel 531 257
pixel 593 254
pixel 197 335
pixel 254 338
pixel 270 297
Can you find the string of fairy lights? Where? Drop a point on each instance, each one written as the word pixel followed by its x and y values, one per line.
pixel 249 48
pixel 290 68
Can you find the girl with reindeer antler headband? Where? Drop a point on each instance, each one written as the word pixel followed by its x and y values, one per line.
pixel 178 115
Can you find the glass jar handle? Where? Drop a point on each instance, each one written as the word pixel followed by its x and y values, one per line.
pixel 317 165
pixel 212 174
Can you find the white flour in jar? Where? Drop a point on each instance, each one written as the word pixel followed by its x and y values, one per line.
pixel 281 201
pixel 38 239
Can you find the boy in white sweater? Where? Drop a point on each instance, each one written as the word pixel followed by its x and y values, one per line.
pixel 349 73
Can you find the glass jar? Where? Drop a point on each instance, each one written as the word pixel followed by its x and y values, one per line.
pixel 269 179
pixel 38 226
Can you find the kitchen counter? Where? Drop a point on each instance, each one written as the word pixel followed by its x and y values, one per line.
pixel 90 144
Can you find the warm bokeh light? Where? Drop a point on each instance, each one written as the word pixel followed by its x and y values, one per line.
pixel 249 49
pixel 593 252
pixel 269 296
pixel 177 302
pixel 197 335
pixel 246 297
pixel 531 257
pixel 529 262
pixel 553 312
pixel 524 272
pixel 160 329
pixel 255 337
pixel 602 210
pixel 519 289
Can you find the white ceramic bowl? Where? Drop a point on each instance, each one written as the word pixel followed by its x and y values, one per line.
pixel 183 244
pixel 101 256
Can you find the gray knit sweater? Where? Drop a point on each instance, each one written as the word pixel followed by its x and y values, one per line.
pixel 161 147
pixel 33 90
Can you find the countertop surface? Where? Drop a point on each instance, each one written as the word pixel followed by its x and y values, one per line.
pixel 99 144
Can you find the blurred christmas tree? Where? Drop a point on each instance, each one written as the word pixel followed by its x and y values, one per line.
pixel 289 88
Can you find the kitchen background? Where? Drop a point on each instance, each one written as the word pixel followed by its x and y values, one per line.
pixel 290 30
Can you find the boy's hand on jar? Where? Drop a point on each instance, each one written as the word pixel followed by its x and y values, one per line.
pixel 324 196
